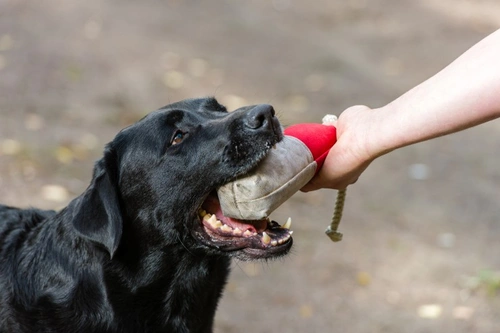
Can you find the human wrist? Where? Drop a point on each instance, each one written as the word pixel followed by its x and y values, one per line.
pixel 378 133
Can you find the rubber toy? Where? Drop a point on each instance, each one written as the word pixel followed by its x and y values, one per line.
pixel 284 171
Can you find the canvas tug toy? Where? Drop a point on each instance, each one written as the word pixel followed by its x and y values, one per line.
pixel 284 171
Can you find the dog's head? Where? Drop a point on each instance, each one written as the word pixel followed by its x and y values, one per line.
pixel 158 179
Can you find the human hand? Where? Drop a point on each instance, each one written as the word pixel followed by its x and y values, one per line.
pixel 351 154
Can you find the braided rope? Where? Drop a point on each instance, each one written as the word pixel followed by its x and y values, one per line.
pixel 331 231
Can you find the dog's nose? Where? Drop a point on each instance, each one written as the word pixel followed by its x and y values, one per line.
pixel 260 116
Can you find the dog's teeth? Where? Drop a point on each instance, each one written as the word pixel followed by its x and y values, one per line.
pixel 226 228
pixel 202 212
pixel 265 238
pixel 206 217
pixel 290 232
pixel 237 232
pixel 274 242
pixel 288 223
pixel 212 220
pixel 247 233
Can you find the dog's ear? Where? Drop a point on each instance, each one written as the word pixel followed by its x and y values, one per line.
pixel 97 215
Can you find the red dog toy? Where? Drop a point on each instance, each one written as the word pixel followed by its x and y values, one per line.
pixel 284 171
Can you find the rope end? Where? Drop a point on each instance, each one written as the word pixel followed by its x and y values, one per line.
pixel 335 236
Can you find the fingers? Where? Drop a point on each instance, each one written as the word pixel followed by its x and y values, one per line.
pixel 313 185
pixel 340 169
pixel 318 183
pixel 331 174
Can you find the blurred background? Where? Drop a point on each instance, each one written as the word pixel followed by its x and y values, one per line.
pixel 421 227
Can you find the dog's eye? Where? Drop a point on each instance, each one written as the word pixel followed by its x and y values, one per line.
pixel 177 138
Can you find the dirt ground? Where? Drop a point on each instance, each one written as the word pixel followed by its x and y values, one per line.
pixel 421 227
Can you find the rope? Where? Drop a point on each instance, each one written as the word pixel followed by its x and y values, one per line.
pixel 331 231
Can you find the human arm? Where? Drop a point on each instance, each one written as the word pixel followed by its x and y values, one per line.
pixel 464 94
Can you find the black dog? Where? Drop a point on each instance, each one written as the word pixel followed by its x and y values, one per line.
pixel 133 253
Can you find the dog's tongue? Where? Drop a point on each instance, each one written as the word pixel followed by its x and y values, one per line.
pixel 212 205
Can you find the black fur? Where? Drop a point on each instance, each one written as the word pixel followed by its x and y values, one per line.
pixel 130 253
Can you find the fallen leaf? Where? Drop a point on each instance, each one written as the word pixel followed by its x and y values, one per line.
pixel 306 311
pixel 173 79
pixel 430 311
pixel 54 193
pixel 10 147
pixel 363 279
pixel 64 155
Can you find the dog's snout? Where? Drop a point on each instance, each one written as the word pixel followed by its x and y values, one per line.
pixel 260 116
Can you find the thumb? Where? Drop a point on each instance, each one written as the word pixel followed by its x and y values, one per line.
pixel 326 176
pixel 341 169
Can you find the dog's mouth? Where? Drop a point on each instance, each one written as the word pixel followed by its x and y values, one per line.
pixel 256 238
